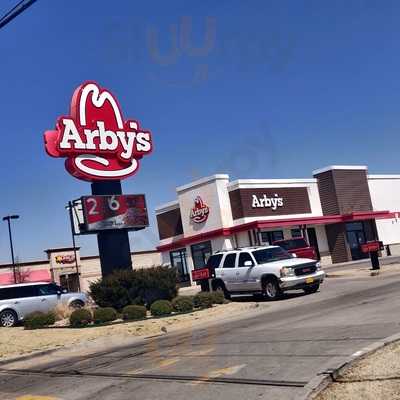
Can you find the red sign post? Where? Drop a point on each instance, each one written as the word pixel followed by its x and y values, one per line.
pixel 371 246
pixel 201 274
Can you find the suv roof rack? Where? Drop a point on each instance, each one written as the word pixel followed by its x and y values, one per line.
pixel 242 248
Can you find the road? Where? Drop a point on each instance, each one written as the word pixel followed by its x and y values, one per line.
pixel 269 355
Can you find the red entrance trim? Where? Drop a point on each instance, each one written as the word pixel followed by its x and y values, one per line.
pixel 259 224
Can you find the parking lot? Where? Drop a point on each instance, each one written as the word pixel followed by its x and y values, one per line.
pixel 273 355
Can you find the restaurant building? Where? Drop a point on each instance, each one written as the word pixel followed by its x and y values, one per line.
pixel 337 210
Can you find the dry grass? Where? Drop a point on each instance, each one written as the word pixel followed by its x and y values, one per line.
pixel 357 383
pixel 17 341
pixel 62 312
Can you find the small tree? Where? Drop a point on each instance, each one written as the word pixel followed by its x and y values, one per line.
pixel 21 274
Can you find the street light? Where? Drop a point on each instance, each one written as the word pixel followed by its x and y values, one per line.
pixel 8 218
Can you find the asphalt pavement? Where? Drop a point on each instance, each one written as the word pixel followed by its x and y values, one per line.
pixel 269 355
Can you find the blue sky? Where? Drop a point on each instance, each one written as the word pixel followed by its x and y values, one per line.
pixel 278 89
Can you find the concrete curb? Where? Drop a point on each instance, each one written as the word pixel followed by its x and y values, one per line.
pixel 325 377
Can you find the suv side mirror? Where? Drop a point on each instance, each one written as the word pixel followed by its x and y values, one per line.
pixel 248 263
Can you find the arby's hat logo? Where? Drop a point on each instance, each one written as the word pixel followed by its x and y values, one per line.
pixel 199 213
pixel 96 141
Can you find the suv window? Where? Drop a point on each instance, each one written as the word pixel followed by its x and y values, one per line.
pixel 48 290
pixel 214 261
pixel 243 257
pixel 230 260
pixel 272 254
pixel 18 292
pixel 7 293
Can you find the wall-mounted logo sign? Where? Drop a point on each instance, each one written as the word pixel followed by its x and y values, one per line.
pixel 68 259
pixel 199 213
pixel 96 141
pixel 267 202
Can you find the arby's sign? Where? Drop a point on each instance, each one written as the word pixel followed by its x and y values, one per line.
pixel 97 142
pixel 199 213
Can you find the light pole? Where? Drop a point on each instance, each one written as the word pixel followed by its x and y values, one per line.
pixel 8 218
pixel 70 208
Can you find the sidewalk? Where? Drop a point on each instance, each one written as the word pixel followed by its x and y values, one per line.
pixel 365 263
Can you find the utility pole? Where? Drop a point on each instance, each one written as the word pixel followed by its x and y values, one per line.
pixel 8 218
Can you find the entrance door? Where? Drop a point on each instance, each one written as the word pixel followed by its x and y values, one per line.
pixel 312 241
pixel 200 254
pixel 356 237
pixel 178 260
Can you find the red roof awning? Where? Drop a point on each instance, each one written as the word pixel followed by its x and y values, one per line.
pixel 260 224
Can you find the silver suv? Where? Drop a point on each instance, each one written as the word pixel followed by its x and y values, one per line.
pixel 269 270
pixel 18 301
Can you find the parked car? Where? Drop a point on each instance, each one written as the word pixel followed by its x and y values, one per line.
pixel 269 270
pixel 298 246
pixel 18 301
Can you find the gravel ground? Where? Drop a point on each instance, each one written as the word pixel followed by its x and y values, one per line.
pixel 17 341
pixel 372 378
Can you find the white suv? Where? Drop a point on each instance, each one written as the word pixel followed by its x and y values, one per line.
pixel 18 301
pixel 269 270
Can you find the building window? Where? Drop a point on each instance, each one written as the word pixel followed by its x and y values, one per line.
pixel 178 260
pixel 200 254
pixel 296 233
pixel 271 237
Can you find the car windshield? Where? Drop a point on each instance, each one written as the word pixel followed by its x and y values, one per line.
pixel 291 244
pixel 271 254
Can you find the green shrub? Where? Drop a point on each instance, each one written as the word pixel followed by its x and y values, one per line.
pixel 131 313
pixel 203 300
pixel 161 307
pixel 39 319
pixel 80 318
pixel 102 315
pixel 139 286
pixel 183 304
pixel 218 297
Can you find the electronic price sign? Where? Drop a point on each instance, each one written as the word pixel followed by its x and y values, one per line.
pixel 114 212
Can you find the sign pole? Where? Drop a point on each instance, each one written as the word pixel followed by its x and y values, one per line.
pixel 102 147
pixel 114 247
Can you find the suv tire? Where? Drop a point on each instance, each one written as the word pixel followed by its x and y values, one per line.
pixel 271 289
pixel 76 305
pixel 220 287
pixel 311 289
pixel 8 318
